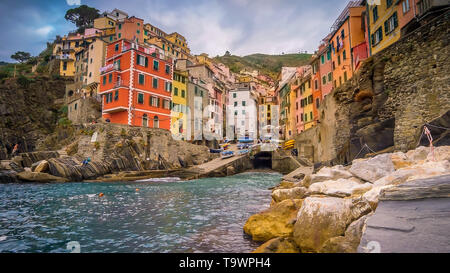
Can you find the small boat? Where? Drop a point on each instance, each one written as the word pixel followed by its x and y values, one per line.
pixel 215 151
pixel 225 146
pixel 226 154
pixel 243 152
pixel 246 140
pixel 242 146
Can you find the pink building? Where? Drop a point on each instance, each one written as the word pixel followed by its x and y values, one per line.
pixel 325 67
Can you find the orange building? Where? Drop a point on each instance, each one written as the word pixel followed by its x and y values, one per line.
pixel 131 28
pixel 348 33
pixel 136 86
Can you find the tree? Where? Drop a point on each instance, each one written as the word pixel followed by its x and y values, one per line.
pixel 82 16
pixel 227 53
pixel 21 56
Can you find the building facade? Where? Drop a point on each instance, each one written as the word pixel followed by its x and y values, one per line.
pixel 136 86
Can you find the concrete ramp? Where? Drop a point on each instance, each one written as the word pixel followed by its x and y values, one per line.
pixel 218 166
pixel 296 175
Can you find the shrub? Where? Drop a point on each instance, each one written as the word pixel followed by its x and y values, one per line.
pixel 23 81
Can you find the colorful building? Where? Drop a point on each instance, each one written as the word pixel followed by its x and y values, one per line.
pixel 316 85
pixel 179 104
pixel 131 28
pixel 325 68
pixel 136 86
pixel 383 21
pixel 197 100
pixel 307 101
pixel 347 33
pixel 266 114
pixel 243 103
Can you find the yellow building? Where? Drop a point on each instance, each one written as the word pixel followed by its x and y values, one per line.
pixel 383 25
pixel 179 41
pixel 65 52
pixel 308 107
pixel 266 108
pixel 179 104
pixel 174 45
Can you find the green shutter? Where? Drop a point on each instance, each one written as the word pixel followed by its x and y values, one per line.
pixel 146 61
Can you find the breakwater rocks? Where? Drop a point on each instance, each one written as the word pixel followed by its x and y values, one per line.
pixel 103 149
pixel 330 210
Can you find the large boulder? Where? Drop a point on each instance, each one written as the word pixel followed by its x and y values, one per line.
pixel 39 177
pixel 374 168
pixel 350 241
pixel 73 169
pixel 333 173
pixel 320 219
pixel 277 221
pixel 373 195
pixel 42 167
pixel 8 176
pixel 292 193
pixel 340 188
pixel 279 245
pixel 424 170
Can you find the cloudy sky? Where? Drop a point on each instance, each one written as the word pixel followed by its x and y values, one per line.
pixel 212 26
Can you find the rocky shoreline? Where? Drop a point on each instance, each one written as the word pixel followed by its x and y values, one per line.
pixel 333 208
pixel 108 152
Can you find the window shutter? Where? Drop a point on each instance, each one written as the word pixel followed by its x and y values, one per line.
pixel 146 61
pixel 158 102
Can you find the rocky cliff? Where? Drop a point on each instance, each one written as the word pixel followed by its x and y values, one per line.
pixel 28 111
pixel 387 103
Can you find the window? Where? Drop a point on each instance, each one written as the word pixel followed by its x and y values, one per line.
pixel 166 104
pixel 155 65
pixel 154 101
pixel 339 60
pixel 141 79
pixel 306 117
pixel 388 3
pixel 235 113
pixel 120 26
pixel 316 84
pixel 324 79
pixel 243 103
pixel 329 55
pixel 168 86
pixel 110 38
pixel 175 91
pixel 322 59
pixel 375 13
pixel 167 69
pixel 110 78
pixel 330 77
pixel 340 80
pixel 120 35
pixel 104 80
pixel 183 93
pixel 344 55
pixel 345 76
pixel 317 102
pixel 235 104
pixel 311 115
pixel 116 95
pixel 234 95
pixel 377 36
pixel 155 83
pixel 65 66
pixel 138 31
pixel 243 112
pixel 76 105
pixel 142 60
pixel 141 98
pixel 342 35
pixel 391 23
pixel 405 6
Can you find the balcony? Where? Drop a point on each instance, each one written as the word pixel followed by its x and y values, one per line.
pixel 64 58
pixel 108 68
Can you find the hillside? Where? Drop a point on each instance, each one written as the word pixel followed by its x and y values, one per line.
pixel 269 65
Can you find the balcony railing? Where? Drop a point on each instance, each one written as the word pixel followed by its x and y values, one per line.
pixel 109 68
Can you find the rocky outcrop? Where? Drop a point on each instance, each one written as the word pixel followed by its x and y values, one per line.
pixel 8 176
pixel 277 221
pixel 29 158
pixel 412 217
pixel 39 177
pixel 28 111
pixel 279 245
pixel 321 219
pixel 374 168
pixel 335 213
pixel 73 169
pixel 340 187
pixel 292 193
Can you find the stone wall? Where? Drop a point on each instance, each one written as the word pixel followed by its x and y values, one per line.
pixel 386 104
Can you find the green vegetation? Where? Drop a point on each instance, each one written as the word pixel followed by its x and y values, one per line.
pixel 21 56
pixel 269 65
pixel 82 16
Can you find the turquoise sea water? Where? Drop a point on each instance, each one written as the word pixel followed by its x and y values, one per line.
pixel 205 215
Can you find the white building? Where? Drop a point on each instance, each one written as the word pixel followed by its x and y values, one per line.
pixel 242 113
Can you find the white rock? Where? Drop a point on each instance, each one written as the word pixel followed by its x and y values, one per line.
pixel 293 193
pixel 374 168
pixel 340 188
pixel 372 196
pixel 328 173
